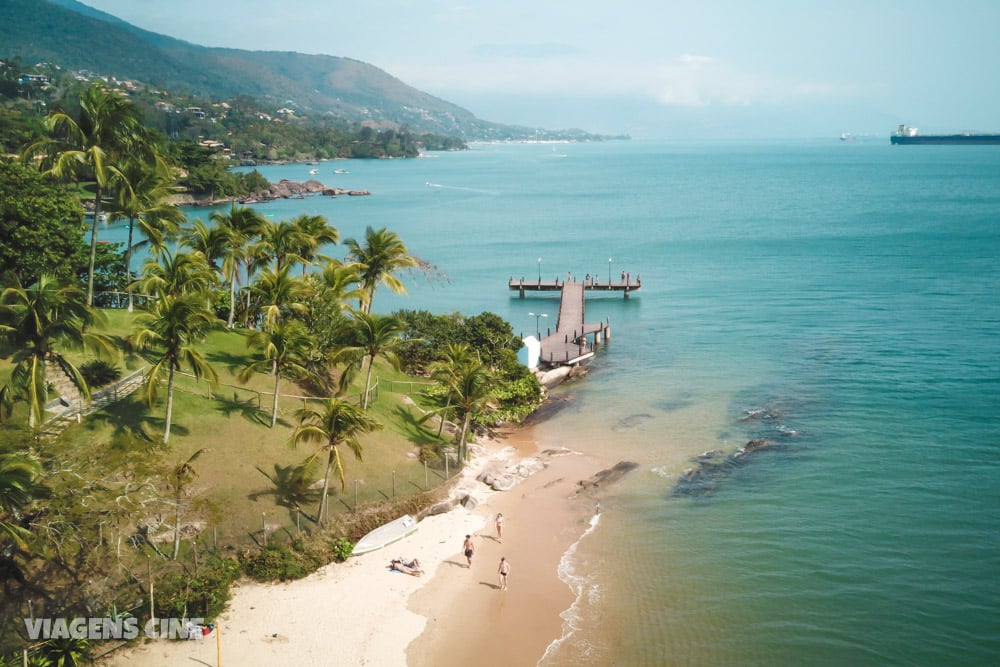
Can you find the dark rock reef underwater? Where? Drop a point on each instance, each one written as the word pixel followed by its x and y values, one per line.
pixel 713 467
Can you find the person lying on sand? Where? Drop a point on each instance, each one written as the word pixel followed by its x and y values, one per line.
pixel 411 567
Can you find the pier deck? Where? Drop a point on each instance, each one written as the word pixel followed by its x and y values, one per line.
pixel 569 345
pixel 522 286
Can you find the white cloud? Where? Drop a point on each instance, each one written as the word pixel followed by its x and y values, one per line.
pixel 549 70
pixel 689 59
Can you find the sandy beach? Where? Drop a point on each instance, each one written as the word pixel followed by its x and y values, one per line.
pixel 361 613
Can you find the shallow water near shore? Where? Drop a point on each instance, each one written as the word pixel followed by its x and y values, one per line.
pixel 836 300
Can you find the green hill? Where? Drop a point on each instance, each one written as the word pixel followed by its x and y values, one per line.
pixel 77 37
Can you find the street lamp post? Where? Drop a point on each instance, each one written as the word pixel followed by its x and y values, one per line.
pixel 609 272
pixel 538 316
pixel 539 270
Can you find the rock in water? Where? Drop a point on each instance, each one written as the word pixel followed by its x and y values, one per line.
pixel 609 475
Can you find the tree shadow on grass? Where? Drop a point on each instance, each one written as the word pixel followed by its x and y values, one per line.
pixel 128 417
pixel 245 408
pixel 291 487
pixel 415 430
pixel 234 362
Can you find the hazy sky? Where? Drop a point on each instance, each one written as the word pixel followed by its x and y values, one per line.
pixel 775 68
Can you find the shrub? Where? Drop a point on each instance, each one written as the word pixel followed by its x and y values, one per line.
pixel 98 373
pixel 210 589
pixel 342 549
pixel 276 562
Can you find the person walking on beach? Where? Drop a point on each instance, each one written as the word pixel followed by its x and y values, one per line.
pixel 503 570
pixel 500 527
pixel 469 549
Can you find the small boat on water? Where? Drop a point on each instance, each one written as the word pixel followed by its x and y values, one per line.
pixel 341 171
pixel 386 535
pixel 314 171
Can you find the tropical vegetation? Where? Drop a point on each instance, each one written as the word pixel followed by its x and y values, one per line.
pixel 249 340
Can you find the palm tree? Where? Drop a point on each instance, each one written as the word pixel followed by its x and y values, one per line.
pixel 6 403
pixel 242 224
pixel 37 320
pixel 280 294
pixel 168 332
pixel 374 335
pixel 283 242
pixel 18 487
pixel 316 232
pixel 209 241
pixel 181 476
pixel 381 256
pixel 341 282
pixel 108 128
pixel 64 652
pixel 470 391
pixel 183 273
pixel 340 423
pixel 328 296
pixel 141 191
pixel 285 346
pixel 446 370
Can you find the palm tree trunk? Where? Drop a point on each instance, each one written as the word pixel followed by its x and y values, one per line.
pixel 461 439
pixel 93 246
pixel 444 414
pixel 368 384
pixel 170 404
pixel 37 391
pixel 232 301
pixel 274 405
pixel 246 317
pixel 321 517
pixel 128 261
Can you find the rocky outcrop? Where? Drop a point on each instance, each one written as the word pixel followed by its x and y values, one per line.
pixel 501 477
pixel 285 189
pixel 713 466
pixel 335 192
pixel 608 475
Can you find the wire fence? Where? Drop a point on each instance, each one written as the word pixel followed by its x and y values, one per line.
pixel 119 300
pixel 261 399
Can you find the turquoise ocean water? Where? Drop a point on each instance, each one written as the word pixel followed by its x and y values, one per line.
pixel 839 299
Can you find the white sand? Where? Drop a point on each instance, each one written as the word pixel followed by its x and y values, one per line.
pixel 352 613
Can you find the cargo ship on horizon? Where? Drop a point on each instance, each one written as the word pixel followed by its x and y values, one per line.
pixel 910 135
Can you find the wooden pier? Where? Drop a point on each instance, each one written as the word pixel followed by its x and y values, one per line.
pixel 626 287
pixel 574 339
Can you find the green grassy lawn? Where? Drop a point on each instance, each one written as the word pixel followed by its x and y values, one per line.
pixel 232 493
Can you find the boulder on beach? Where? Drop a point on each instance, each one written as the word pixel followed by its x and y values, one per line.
pixel 500 477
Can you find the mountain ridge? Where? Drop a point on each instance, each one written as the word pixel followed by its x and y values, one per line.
pixel 78 37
